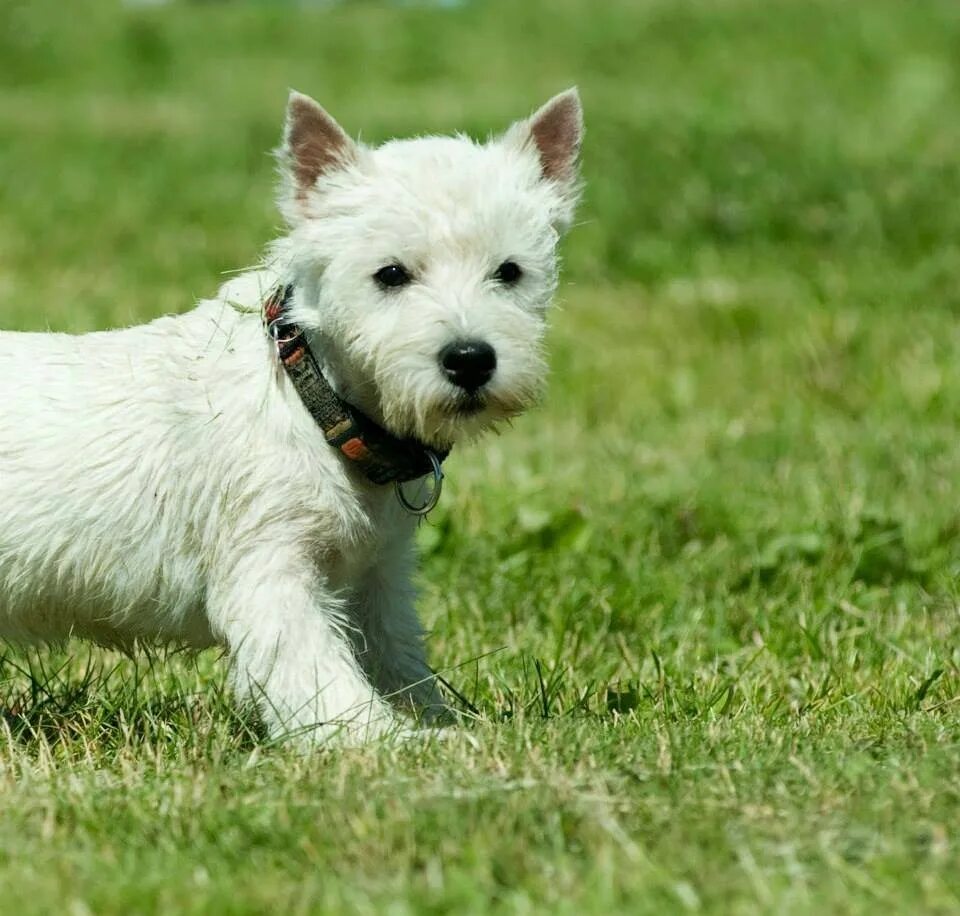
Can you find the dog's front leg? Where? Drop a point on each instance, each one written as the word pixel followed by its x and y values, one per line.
pixel 391 646
pixel 288 637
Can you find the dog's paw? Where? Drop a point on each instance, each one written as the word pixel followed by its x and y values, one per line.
pixel 426 736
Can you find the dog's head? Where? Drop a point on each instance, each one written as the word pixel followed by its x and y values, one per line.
pixel 425 267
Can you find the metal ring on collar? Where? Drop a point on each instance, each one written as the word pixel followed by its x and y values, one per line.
pixel 276 326
pixel 433 497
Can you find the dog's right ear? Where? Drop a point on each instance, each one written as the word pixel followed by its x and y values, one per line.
pixel 554 133
pixel 313 143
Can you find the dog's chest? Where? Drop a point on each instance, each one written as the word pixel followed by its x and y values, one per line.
pixel 365 530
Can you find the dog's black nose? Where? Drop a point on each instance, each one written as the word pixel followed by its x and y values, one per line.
pixel 469 364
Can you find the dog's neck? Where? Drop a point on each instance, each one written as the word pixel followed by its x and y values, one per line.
pixel 302 309
pixel 379 455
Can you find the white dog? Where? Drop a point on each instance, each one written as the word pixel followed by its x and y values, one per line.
pixel 248 474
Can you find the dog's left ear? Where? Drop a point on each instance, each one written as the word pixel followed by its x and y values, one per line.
pixel 313 143
pixel 555 132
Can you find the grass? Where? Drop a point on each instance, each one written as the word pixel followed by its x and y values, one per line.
pixel 704 602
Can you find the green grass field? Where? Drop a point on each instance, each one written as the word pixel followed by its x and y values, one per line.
pixel 703 605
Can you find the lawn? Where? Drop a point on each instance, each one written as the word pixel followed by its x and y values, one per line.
pixel 701 608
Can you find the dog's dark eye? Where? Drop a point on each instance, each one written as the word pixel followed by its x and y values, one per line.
pixel 392 275
pixel 508 272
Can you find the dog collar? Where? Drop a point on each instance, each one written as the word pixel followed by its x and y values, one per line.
pixel 380 456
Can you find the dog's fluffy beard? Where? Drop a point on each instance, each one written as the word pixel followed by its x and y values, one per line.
pixel 449 212
pixel 396 362
pixel 390 370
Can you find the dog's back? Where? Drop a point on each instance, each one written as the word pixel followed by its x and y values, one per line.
pixel 98 477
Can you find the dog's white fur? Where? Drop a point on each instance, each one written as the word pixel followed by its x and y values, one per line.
pixel 165 482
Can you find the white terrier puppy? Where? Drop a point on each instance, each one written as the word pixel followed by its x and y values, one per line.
pixel 248 474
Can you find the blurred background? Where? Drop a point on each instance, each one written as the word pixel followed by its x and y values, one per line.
pixel 769 139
